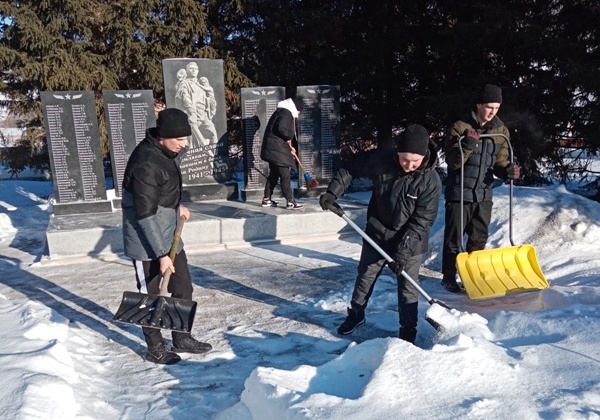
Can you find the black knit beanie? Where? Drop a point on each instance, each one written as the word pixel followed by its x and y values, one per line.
pixel 172 123
pixel 414 139
pixel 489 94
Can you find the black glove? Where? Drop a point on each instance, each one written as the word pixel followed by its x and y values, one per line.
pixel 470 139
pixel 327 200
pixel 397 267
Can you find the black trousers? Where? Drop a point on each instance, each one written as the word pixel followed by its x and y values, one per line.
pixel 476 221
pixel 370 267
pixel 276 173
pixel 148 277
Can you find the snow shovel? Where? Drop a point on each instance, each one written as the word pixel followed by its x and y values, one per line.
pixel 441 309
pixel 159 311
pixel 492 273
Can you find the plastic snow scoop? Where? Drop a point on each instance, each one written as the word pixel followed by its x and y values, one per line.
pixel 438 310
pixel 159 311
pixel 311 183
pixel 498 272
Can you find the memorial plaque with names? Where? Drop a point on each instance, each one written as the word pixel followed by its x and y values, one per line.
pixel 74 148
pixel 319 131
pixel 197 87
pixel 258 104
pixel 128 114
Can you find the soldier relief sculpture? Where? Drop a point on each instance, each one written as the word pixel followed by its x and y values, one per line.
pixel 196 97
pixel 196 86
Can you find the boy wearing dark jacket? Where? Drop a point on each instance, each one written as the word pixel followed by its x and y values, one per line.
pixel 403 207
pixel 151 210
pixel 278 150
pixel 483 158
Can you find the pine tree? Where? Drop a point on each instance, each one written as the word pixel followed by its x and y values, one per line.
pixel 96 45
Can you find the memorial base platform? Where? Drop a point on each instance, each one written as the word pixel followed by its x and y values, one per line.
pixel 213 224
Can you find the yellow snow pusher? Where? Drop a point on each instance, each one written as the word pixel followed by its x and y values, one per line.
pixel 492 273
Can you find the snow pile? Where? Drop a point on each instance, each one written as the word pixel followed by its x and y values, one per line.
pixel 271 313
pixel 37 371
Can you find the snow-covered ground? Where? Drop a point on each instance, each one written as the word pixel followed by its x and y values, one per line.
pixel 271 313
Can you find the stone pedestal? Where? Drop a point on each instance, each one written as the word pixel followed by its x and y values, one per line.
pixel 228 191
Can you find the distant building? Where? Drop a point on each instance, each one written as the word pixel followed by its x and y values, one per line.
pixel 9 132
pixel 9 136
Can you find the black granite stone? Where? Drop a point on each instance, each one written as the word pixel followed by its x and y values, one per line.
pixel 82 208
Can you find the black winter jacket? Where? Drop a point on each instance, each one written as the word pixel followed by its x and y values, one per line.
pixel 151 197
pixel 280 129
pixel 489 157
pixel 403 206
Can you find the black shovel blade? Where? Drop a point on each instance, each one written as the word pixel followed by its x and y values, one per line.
pixel 435 324
pixel 155 311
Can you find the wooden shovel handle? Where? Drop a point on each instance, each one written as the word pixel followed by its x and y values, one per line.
pixel 175 244
pixel 164 285
pixel 299 163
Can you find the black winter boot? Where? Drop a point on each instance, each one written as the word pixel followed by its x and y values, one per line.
pixel 408 334
pixel 190 345
pixel 354 319
pixel 450 284
pixel 161 355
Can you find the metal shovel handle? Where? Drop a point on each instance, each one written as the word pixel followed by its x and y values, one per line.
pixel 164 285
pixel 335 208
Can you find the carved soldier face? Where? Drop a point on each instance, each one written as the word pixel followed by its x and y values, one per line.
pixel 192 69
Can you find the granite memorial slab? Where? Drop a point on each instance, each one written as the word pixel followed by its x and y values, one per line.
pixel 76 162
pixel 258 104
pixel 197 87
pixel 128 113
pixel 319 134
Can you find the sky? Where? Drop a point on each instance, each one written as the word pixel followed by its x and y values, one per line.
pixel 271 313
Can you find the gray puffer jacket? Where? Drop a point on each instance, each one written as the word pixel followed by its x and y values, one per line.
pixel 151 197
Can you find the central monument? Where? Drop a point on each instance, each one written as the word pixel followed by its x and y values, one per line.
pixel 196 86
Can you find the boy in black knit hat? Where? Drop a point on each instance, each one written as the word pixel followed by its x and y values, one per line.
pixel 482 159
pixel 403 207
pixel 151 210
